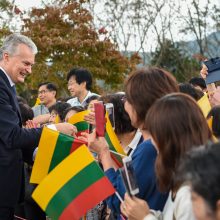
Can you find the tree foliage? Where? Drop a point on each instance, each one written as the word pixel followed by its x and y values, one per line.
pixel 64 34
pixel 133 22
pixel 170 57
pixel 5 14
pixel 73 33
pixel 130 22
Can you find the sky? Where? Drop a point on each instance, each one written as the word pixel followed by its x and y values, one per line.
pixel 27 4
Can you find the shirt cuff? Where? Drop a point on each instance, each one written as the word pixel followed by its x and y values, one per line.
pixel 34 154
pixel 52 126
pixel 150 216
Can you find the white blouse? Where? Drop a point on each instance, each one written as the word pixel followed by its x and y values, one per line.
pixel 179 209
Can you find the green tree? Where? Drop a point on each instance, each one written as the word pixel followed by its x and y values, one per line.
pixel 64 34
pixel 170 57
pixel 5 14
pixel 201 18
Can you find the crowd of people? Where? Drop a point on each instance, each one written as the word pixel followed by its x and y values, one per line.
pixel 159 125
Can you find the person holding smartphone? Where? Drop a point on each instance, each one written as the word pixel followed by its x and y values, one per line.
pixel 142 89
pixel 212 90
pixel 128 135
pixel 176 124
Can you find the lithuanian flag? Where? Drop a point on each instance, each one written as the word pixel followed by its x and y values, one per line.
pixel 75 186
pixel 114 143
pixel 78 120
pixel 110 136
pixel 53 148
pixel 204 104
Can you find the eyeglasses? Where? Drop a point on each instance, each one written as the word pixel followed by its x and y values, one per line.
pixel 43 92
pixel 72 83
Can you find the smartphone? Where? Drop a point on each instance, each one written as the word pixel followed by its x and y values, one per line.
pixel 124 179
pixel 90 128
pixel 129 177
pixel 109 107
pixel 100 119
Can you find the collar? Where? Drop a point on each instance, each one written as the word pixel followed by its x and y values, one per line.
pixel 87 96
pixel 133 144
pixel 8 77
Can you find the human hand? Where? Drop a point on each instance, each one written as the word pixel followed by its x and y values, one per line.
pixel 210 87
pixel 97 144
pixel 31 124
pixel 204 71
pixel 90 118
pixel 41 119
pixel 84 136
pixel 214 98
pixel 66 128
pixel 134 208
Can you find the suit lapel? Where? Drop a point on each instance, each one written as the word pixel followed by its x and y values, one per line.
pixel 14 97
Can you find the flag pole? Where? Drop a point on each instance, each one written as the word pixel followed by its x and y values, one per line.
pixel 119 197
pixel 121 155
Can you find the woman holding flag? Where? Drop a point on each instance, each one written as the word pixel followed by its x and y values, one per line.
pixel 176 124
pixel 142 89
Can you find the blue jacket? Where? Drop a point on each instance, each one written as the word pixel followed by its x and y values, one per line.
pixel 143 160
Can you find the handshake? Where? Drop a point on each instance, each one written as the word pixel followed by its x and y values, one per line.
pixel 64 127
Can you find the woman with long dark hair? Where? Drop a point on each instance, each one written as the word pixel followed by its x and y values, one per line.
pixel 142 89
pixel 176 124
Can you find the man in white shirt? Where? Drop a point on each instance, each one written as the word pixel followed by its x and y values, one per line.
pixel 79 85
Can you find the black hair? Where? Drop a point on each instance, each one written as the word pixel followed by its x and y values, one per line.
pixel 74 108
pixel 198 81
pixel 91 98
pixel 50 86
pixel 60 108
pixel 187 88
pixel 200 168
pixel 215 114
pixel 81 75
pixel 26 112
pixel 122 119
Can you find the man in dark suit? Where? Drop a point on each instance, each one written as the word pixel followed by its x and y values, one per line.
pixel 17 56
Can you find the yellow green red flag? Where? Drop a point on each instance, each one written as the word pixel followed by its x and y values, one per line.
pixel 110 136
pixel 114 143
pixel 53 148
pixel 204 104
pixel 78 120
pixel 75 186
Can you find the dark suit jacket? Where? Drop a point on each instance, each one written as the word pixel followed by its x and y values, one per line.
pixel 16 145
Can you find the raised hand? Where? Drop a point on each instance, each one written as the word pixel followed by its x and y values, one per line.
pixel 134 208
pixel 66 128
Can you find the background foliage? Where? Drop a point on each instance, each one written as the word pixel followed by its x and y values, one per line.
pixel 97 34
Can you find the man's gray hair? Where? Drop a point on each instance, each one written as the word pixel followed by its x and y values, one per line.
pixel 12 41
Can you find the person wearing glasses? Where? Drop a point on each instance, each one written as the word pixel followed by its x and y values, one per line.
pixel 47 94
pixel 79 86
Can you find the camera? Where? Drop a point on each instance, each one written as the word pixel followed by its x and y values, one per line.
pixel 129 177
pixel 213 66
pixel 109 107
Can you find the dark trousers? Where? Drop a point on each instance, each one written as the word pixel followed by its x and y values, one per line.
pixel 6 213
pixel 33 211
